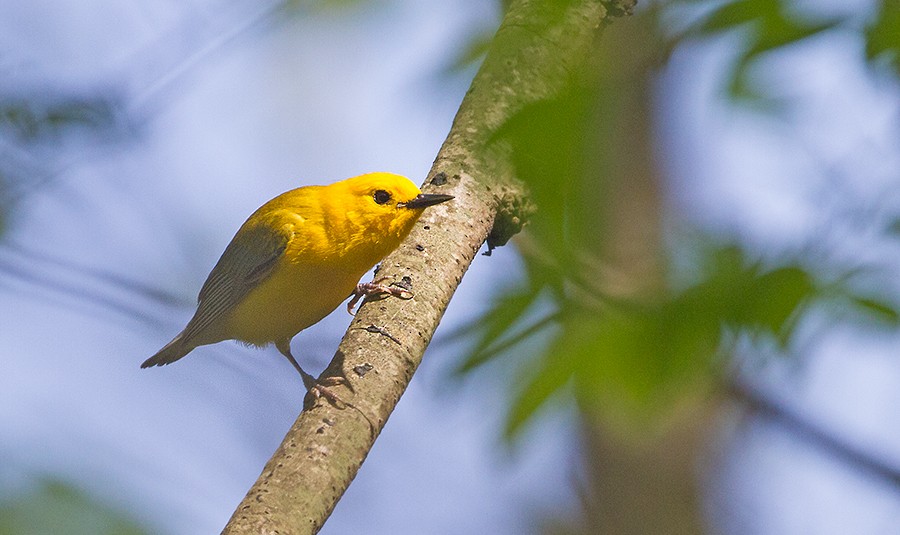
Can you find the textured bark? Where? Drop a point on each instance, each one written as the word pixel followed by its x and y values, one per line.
pixel 538 44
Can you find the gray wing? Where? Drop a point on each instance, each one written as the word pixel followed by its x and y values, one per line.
pixel 243 265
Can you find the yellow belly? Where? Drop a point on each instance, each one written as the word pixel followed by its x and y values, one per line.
pixel 293 297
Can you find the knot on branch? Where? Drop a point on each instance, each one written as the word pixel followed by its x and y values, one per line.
pixel 514 208
pixel 619 8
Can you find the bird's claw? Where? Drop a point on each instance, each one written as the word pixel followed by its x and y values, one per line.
pixel 375 287
pixel 320 390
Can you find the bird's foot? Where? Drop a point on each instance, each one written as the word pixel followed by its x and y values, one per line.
pixel 320 389
pixel 375 287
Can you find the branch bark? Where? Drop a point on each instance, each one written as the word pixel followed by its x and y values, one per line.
pixel 535 49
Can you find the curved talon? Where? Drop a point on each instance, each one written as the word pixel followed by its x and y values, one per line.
pixel 365 289
pixel 319 390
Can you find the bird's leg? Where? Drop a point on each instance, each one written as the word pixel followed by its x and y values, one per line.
pixel 365 289
pixel 314 389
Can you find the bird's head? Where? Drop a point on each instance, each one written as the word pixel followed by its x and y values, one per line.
pixel 384 206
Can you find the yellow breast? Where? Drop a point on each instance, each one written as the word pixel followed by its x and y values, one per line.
pixel 295 296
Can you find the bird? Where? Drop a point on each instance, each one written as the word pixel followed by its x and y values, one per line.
pixel 296 259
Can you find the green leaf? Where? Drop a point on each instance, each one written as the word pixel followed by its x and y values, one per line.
pixel 728 17
pixel 768 26
pixel 553 372
pixel 744 296
pixel 780 32
pixel 50 113
pixel 632 368
pixel 775 299
pixel 878 310
pixel 632 362
pixel 549 141
pixel 472 53
pixel 326 6
pixel 56 507
pixel 883 35
pixel 506 311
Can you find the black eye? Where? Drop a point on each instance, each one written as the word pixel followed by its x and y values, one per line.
pixel 382 197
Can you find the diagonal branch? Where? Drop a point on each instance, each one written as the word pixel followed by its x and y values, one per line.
pixel 536 47
pixel 767 406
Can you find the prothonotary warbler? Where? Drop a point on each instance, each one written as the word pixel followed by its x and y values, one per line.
pixel 296 259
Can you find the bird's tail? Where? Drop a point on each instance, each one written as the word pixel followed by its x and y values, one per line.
pixel 172 351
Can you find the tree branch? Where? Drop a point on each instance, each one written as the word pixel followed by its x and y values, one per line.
pixel 536 47
pixel 765 405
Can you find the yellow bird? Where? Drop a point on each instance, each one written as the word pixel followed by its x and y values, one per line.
pixel 296 259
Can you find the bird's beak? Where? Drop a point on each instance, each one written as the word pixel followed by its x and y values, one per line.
pixel 424 200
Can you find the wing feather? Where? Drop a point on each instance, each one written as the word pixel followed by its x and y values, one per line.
pixel 249 259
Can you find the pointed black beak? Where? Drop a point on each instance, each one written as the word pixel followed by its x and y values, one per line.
pixel 424 200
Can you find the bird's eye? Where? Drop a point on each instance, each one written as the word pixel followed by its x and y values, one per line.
pixel 382 197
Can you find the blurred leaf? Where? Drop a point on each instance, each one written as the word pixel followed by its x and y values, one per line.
pixel 744 296
pixel 628 359
pixel 781 32
pixel 883 35
pixel 774 299
pixel 767 25
pixel 877 309
pixel 549 144
pixel 473 52
pixel 336 6
pixel 633 362
pixel 548 377
pixel 55 507
pixel 774 24
pixel 509 342
pixel 31 117
pixel 729 16
pixel 508 310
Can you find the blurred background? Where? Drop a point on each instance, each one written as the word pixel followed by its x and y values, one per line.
pixel 696 334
